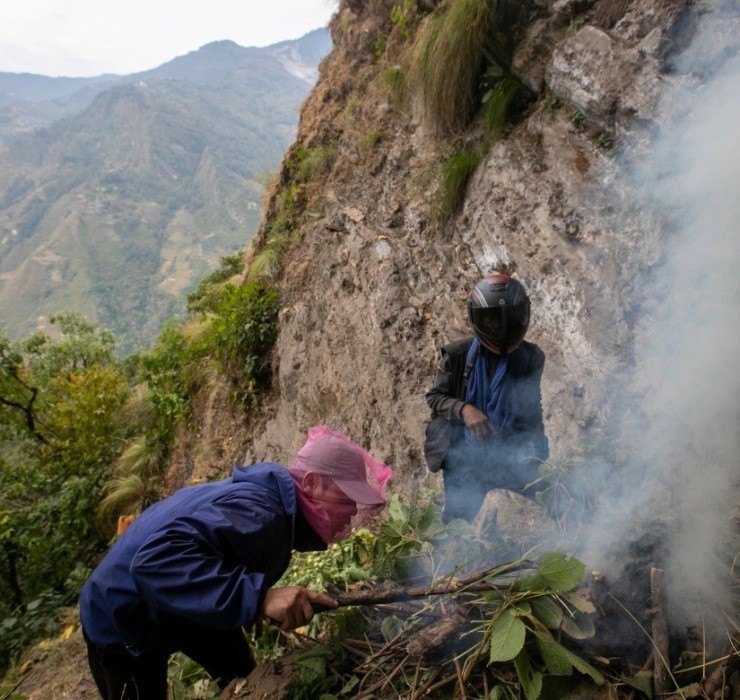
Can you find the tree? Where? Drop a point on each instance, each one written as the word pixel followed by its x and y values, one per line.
pixel 59 397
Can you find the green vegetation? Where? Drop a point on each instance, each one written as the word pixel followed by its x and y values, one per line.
pixel 303 169
pixel 459 74
pixel 403 16
pixel 369 141
pixel 508 623
pixel 453 178
pixel 85 437
pixel 459 41
pixel 206 295
pixel 499 102
pixel 392 78
pixel 59 399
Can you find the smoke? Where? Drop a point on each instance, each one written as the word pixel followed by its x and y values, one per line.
pixel 682 464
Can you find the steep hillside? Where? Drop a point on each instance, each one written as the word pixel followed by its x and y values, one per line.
pixel 120 209
pixel 607 185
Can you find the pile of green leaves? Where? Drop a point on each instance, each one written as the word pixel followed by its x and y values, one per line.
pixel 512 635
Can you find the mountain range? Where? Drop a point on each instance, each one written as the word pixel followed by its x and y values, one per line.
pixel 118 194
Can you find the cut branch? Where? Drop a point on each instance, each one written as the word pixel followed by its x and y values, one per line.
pixel 394 593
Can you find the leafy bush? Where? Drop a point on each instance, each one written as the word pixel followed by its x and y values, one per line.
pixel 243 333
pixel 342 564
pixel 35 621
pixel 60 401
pixel 163 370
pixel 205 296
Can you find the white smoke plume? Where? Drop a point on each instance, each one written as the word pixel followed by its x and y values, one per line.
pixel 683 467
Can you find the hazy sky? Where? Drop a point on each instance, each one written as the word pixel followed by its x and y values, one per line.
pixel 90 37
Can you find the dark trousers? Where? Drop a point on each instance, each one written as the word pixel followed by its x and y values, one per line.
pixel 469 473
pixel 224 654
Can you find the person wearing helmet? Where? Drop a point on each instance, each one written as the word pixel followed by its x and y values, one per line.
pixel 194 569
pixel 486 430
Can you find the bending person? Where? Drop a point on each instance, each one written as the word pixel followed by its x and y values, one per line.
pixel 194 569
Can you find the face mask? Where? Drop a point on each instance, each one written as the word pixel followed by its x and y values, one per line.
pixel 330 517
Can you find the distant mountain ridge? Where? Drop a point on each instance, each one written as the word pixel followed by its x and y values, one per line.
pixel 120 207
pixel 29 101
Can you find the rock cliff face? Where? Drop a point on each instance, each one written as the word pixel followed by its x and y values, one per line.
pixel 374 286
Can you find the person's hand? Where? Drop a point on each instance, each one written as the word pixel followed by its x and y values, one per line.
pixel 477 422
pixel 292 607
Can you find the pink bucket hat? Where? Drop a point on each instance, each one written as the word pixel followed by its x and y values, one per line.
pixel 355 471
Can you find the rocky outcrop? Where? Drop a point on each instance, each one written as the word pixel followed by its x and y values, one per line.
pixel 374 287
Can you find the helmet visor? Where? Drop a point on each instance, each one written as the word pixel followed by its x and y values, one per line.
pixel 500 327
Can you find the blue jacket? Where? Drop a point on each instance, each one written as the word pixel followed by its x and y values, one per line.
pixel 207 554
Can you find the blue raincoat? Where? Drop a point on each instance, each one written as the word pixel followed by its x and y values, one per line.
pixel 207 554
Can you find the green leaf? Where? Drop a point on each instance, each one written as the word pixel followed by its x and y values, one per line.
pixel 643 681
pixel 580 600
pixel 584 667
pixel 497 693
pixel 578 626
pixel 547 611
pixel 561 573
pixel 349 686
pixel 531 682
pixel 391 627
pixel 395 509
pixel 554 654
pixel 507 636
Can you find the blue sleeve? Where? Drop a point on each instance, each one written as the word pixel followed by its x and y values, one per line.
pixel 205 566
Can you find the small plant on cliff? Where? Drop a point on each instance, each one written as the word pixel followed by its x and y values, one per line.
pixel 454 176
pixel 498 103
pixel 207 292
pixel 403 15
pixel 392 78
pixel 244 329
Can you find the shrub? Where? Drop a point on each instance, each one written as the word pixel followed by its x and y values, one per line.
pixel 244 330
pixel 316 161
pixel 204 296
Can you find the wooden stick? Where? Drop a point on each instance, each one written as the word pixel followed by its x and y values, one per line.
pixel 381 595
pixel 661 672
pixel 460 681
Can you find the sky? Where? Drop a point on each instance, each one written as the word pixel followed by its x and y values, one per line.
pixel 90 37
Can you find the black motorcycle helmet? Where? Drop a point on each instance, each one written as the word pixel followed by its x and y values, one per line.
pixel 498 311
